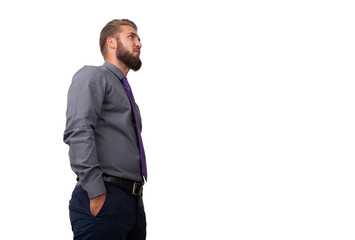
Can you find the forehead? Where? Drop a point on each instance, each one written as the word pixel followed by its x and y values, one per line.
pixel 125 29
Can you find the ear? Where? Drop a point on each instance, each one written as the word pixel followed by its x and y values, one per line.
pixel 111 42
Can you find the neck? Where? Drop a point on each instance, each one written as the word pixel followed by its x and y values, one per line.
pixel 123 67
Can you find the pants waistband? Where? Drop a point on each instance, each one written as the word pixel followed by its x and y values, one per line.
pixel 136 188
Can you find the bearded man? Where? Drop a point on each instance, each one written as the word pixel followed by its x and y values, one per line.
pixel 103 131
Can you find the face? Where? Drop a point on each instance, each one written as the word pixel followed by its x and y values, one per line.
pixel 128 47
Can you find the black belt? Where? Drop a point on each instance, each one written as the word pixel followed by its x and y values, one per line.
pixel 135 188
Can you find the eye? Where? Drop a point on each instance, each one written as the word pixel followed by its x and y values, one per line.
pixel 131 36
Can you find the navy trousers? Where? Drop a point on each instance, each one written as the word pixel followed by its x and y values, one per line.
pixel 122 216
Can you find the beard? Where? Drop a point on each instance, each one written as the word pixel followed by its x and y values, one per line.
pixel 127 58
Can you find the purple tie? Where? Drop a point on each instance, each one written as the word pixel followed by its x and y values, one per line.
pixel 138 130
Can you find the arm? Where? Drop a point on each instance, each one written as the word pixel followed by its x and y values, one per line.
pixel 85 98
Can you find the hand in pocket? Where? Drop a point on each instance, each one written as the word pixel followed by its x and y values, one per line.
pixel 96 204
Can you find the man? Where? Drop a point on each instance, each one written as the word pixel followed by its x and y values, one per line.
pixel 106 150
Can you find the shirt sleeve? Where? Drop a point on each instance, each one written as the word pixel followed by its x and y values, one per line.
pixel 85 98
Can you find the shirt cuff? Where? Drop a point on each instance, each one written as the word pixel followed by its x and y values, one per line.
pixel 95 188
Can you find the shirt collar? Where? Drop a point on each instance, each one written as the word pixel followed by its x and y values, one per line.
pixel 114 69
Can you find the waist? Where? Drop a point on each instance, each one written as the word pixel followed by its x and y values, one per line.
pixel 135 188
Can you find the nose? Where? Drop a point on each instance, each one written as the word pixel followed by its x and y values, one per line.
pixel 138 44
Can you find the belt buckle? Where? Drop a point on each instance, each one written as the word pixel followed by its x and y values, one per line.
pixel 137 189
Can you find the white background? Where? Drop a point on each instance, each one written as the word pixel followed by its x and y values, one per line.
pixel 248 115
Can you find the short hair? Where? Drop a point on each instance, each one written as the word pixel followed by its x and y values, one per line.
pixel 111 29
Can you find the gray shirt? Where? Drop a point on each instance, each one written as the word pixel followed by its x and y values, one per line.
pixel 100 129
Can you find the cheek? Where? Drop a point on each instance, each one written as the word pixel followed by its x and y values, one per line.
pixel 128 46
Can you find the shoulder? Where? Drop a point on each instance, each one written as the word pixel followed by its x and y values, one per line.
pixel 93 76
pixel 91 72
